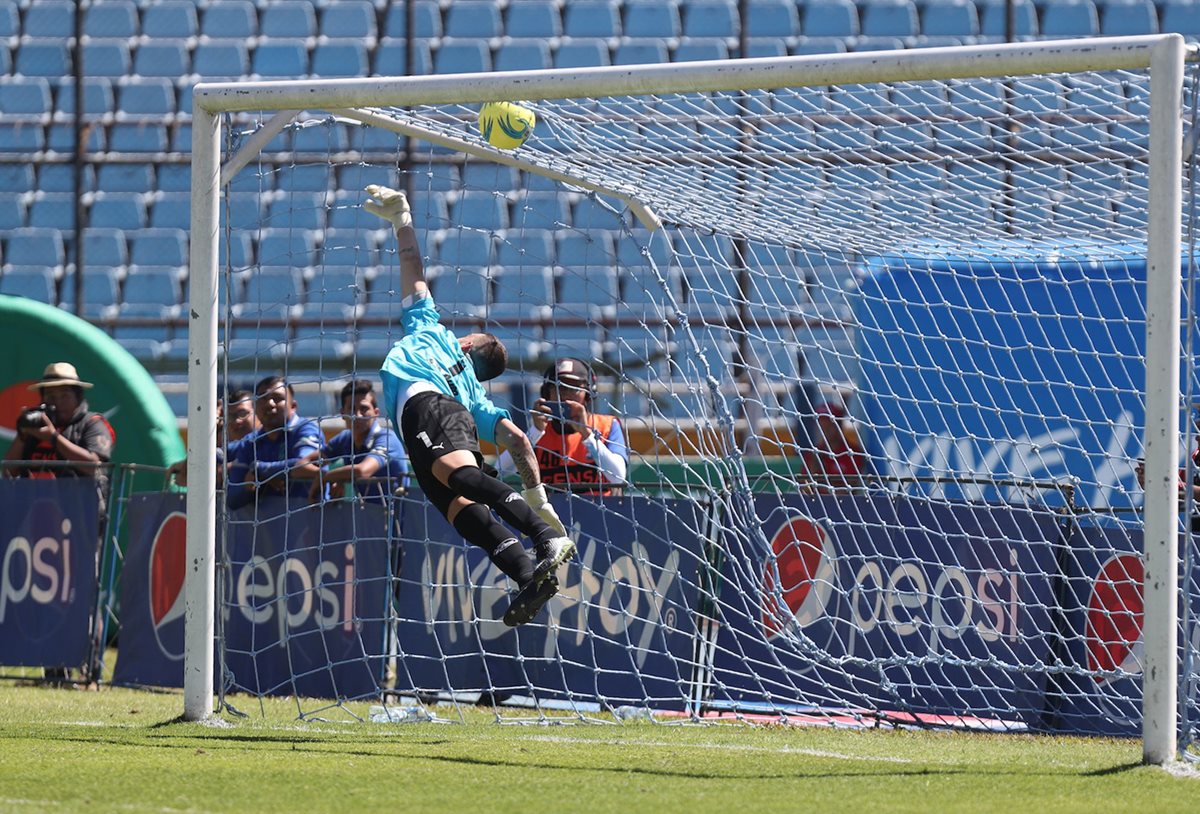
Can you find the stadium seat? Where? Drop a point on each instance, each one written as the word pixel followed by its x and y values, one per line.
pixel 98 97
pixel 167 58
pixel 100 291
pixel 582 54
pixel 61 178
pixel 174 177
pixel 889 18
pixel 590 213
pixel 48 58
pixel 60 138
pixel 861 101
pixel 522 293
pixel 772 18
pixel 585 249
pixel 1069 18
pixel 641 249
pixel 10 20
pixel 534 247
pixel 221 59
pixel 645 291
pixel 35 247
pixel 287 21
pixel 119 210
pixel 707 250
pixel 957 18
pixel 349 19
pixel 590 292
pixel 138 137
pixel 237 249
pixel 280 59
pixel 16 178
pixel 579 341
pixel 152 285
pixel 1129 17
pixel 303 178
pixel 299 210
pixel 146 97
pixel 639 348
pixel 993 18
pixel 107 58
pixel 537 19
pixel 125 178
pixel 462 56
pixel 273 286
pixel 464 290
pixel 104 248
pixel 427 20
pixel 229 19
pixel 53 210
pixel 284 247
pixel 461 248
pixel 472 18
pixel 117 19
pixel 430 212
pixel 592 18
pixel 831 18
pixel 711 18
pixel 50 18
pixel 522 55
pixel 652 18
pixel 22 98
pixel 390 58
pixel 335 285
pixel 479 210
pixel 542 210
pixel 155 322
pixel 699 50
pixel 158 247
pixel 640 52
pixel 350 247
pixel 340 58
pixel 170 20
pixel 1181 17
pixel 31 283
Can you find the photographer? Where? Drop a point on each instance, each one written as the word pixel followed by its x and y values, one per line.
pixel 62 429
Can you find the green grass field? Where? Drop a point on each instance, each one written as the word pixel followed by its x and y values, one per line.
pixel 120 750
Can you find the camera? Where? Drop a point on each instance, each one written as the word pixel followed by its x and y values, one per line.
pixel 559 411
pixel 33 417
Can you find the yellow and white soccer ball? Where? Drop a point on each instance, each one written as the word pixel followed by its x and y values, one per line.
pixel 506 125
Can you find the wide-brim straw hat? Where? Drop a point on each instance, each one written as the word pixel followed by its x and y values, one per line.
pixel 60 374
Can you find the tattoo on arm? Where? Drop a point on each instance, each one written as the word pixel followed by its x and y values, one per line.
pixel 512 439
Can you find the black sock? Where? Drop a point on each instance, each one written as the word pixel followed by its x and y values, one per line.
pixel 477 526
pixel 474 484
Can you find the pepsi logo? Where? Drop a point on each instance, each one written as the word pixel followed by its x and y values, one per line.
pixel 1113 635
pixel 168 563
pixel 799 572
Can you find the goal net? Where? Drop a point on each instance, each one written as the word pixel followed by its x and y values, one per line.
pixel 876 334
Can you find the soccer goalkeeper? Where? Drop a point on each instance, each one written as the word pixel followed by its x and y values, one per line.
pixel 431 388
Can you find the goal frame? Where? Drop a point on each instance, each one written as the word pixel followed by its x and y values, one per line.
pixel 1163 55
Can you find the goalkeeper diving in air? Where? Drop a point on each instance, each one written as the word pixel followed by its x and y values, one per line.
pixel 431 389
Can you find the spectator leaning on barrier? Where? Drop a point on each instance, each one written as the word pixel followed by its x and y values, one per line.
pixel 63 429
pixel 837 459
pixel 373 458
pixel 575 446
pixel 261 462
pixel 235 420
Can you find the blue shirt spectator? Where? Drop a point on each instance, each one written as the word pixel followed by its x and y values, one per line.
pixel 261 462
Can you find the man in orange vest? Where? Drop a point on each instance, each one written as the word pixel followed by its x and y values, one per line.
pixel 576 448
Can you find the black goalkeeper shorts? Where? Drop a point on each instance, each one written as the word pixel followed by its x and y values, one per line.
pixel 433 425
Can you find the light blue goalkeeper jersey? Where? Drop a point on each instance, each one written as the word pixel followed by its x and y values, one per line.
pixel 429 352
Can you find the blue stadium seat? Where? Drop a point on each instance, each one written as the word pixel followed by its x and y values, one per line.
pixel 538 19
pixel 22 98
pixel 280 59
pixel 427 20
pixel 699 50
pixel 1129 17
pixel 522 55
pixel 579 341
pixel 831 18
pixel 60 138
pixel 711 18
pixel 167 58
pixel 349 19
pixel 97 97
pixel 707 250
pixel 993 18
pixel 152 285
pixel 592 18
pixel 119 210
pixel 170 19
pixel 640 249
pixel 230 19
pixel 430 212
pixel 287 21
pixel 589 213
pixel 1181 17
pixel 473 18
pixel 299 210
pixel 138 137
pixel 61 178
pixel 174 177
pixel 155 327
pixel 153 96
pixel 284 247
pixel 100 291
pixel 522 292
pixel 772 18
pixel 530 248
pixel 50 18
pixel 390 58
pixel 16 178
pixel 31 283
pixel 53 210
pixel 479 210
pixel 889 18
pixel 542 210
pixel 860 100
pixel 462 56
pixel 237 250
pixel 22 137
pixel 158 247
pixel 592 292
pixel 585 249
pixel 115 19
pixel 645 291
pixel 303 178
pixel 1070 18
pixel 273 286
pixel 465 248
pixel 652 18
pixel 339 285
pixel 950 18
pixel 465 290
pixel 582 54
pixel 35 247
pixel 172 210
pixel 221 59
pixel 976 98
pixel 640 52
pixel 766 47
pixel 878 44
pixel 340 58
pixel 48 58
pixel 10 20
pixel 125 178
pixel 104 248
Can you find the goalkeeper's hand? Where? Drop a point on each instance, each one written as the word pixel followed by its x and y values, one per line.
pixel 537 500
pixel 389 204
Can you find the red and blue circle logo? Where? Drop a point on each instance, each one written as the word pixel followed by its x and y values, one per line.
pixel 168 564
pixel 1114 618
pixel 798 576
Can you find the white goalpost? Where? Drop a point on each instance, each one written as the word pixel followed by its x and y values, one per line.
pixel 975 251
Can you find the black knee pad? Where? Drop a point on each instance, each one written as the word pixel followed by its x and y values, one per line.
pixel 477 526
pixel 474 484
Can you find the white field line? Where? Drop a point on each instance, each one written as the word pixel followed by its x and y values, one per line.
pixel 18 802
pixel 784 750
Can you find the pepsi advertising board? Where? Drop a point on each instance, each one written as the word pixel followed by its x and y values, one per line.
pixel 621 628
pixel 878 601
pixel 49 538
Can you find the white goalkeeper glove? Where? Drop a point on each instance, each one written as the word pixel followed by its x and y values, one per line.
pixel 389 204
pixel 537 500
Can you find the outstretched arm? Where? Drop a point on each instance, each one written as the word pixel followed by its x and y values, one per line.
pixel 392 206
pixel 516 443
